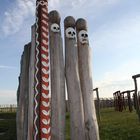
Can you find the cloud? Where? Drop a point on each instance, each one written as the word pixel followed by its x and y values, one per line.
pixel 8 97
pixel 118 79
pixel 15 17
pixel 7 67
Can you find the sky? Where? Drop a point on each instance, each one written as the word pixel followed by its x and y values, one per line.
pixel 114 35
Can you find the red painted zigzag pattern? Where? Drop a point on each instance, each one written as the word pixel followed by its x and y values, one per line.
pixel 42 74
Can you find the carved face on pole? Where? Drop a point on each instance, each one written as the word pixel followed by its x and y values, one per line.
pixel 55 28
pixel 70 33
pixel 83 37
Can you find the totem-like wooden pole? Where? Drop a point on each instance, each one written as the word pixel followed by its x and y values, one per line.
pixel 23 96
pixel 98 104
pixel 31 86
pixel 57 78
pixel 72 81
pixel 91 126
pixel 136 95
pixel 42 129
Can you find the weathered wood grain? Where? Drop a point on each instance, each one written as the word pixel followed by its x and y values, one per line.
pixel 58 108
pixel 98 104
pixel 22 111
pixel 31 86
pixel 73 85
pixel 91 126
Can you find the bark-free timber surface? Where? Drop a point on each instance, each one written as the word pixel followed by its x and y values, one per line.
pixel 91 126
pixel 57 79
pixel 73 85
pixel 31 86
pixel 23 97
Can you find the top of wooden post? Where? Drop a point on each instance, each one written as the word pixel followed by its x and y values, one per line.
pixel 69 22
pixel 136 76
pixel 54 17
pixel 81 24
pixel 95 89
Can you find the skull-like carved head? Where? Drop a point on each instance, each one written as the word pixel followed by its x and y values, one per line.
pixel 83 37
pixel 55 28
pixel 70 33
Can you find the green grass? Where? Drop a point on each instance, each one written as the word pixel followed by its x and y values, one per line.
pixel 8 126
pixel 119 125
pixel 113 126
pixel 67 126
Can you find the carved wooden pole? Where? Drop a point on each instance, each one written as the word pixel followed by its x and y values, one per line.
pixel 31 86
pixel 42 128
pixel 57 78
pixel 72 81
pixel 91 125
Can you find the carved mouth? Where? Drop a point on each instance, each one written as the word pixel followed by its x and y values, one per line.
pixel 84 39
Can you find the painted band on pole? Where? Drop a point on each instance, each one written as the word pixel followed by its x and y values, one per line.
pixel 42 129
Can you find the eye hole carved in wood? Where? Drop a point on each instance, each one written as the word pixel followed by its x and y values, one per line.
pixel 70 33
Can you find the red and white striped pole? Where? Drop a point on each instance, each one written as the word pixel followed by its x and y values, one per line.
pixel 42 74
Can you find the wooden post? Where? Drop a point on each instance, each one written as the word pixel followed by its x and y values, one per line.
pixel 22 109
pixel 98 104
pixel 42 129
pixel 57 78
pixel 72 81
pixel 120 101
pixel 31 86
pixel 115 101
pixel 136 96
pixel 129 101
pixel 91 126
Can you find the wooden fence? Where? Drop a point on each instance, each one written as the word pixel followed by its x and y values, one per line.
pixel 104 102
pixel 8 108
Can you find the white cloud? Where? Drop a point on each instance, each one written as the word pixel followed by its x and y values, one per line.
pixel 7 67
pixel 8 97
pixel 118 79
pixel 15 17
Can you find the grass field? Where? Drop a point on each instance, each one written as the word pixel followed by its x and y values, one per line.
pixel 119 125
pixel 7 126
pixel 113 126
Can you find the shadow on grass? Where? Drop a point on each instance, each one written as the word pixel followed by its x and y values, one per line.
pixel 8 126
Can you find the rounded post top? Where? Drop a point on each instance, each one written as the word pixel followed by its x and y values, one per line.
pixel 81 24
pixel 54 17
pixel 69 22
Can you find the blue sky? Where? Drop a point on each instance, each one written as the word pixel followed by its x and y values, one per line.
pixel 114 33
